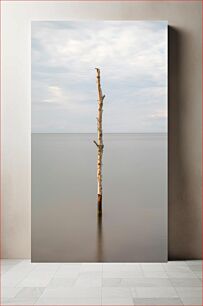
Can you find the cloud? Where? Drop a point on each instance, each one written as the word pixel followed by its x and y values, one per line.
pixel 160 114
pixel 55 95
pixel 132 56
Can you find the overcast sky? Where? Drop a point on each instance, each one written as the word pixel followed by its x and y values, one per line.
pixel 132 56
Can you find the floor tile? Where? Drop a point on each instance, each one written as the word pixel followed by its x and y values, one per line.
pixel 88 267
pixel 68 270
pixel 21 301
pixel 146 282
pixel 30 292
pixel 90 274
pixel 131 267
pixel 73 292
pixel 4 301
pixel 10 261
pixel 73 265
pixel 157 301
pixel 112 282
pixel 193 262
pixel 198 274
pixel 5 268
pixel 185 282
pixel 37 279
pixel 181 275
pixel 192 301
pixel 89 279
pixel 116 267
pixel 88 282
pixel 154 292
pixel 189 291
pixel 172 283
pixel 152 267
pixel 161 274
pixel 117 301
pixel 111 266
pixel 47 267
pixel 122 274
pixel 9 292
pixel 116 292
pixel 175 263
pixel 69 301
pixel 176 268
pixel 14 276
pixel 61 282
pixel 196 268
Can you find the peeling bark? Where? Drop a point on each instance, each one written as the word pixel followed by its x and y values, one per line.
pixel 99 143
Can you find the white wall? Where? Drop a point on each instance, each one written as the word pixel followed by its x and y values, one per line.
pixel 185 127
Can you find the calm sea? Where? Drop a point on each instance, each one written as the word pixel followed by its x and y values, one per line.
pixel 65 225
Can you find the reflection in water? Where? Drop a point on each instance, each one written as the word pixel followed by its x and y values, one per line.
pixel 99 254
pixel 65 225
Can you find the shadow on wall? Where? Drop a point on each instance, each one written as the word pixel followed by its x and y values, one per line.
pixel 183 202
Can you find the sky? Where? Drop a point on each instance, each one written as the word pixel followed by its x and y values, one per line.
pixel 132 57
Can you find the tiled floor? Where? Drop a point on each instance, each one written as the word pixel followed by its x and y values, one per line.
pixel 172 283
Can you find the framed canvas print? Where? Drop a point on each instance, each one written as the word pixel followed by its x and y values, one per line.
pixel 99 141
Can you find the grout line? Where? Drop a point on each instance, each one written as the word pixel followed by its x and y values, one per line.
pixel 131 289
pixel 174 288
pixel 59 265
pixel 23 276
pixel 102 283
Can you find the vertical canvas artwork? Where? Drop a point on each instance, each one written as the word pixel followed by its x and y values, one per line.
pixel 99 141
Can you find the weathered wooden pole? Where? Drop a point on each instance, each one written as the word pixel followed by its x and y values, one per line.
pixel 99 143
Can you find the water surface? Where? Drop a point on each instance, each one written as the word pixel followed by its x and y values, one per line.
pixel 65 225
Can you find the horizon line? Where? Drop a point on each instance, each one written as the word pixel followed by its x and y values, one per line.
pixel 96 133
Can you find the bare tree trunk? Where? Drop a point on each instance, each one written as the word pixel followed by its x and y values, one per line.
pixel 99 143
